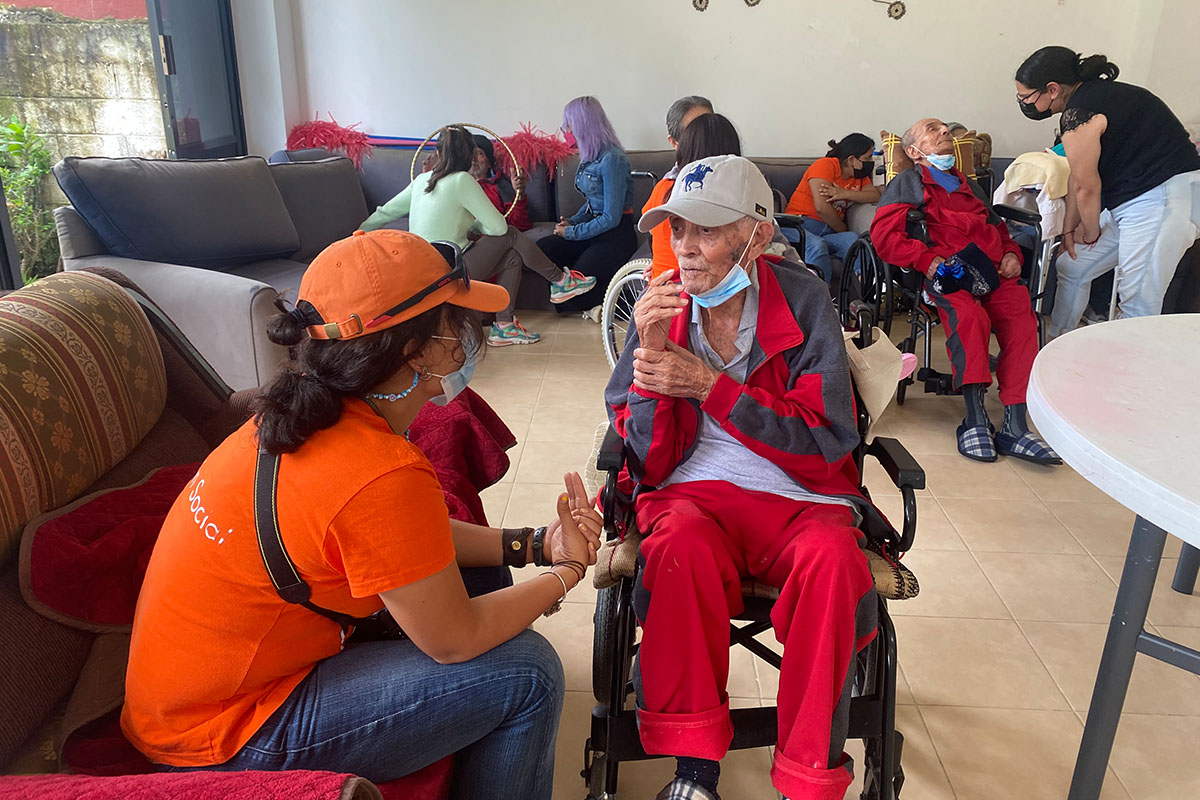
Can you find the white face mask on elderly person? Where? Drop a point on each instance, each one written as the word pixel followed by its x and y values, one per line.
pixel 695 253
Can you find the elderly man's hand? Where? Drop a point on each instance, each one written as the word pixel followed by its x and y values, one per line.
pixel 654 310
pixel 1010 266
pixel 675 372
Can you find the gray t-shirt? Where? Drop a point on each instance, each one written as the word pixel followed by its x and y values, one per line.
pixel 718 456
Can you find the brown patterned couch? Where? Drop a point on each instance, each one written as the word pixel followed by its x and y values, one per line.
pixel 96 391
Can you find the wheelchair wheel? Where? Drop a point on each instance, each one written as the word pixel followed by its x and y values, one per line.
pixel 616 314
pixel 866 281
pixel 606 621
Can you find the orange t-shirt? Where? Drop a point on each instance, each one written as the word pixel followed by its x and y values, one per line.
pixel 661 254
pixel 829 169
pixel 215 651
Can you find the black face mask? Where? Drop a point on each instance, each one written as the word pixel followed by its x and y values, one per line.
pixel 1030 110
pixel 865 170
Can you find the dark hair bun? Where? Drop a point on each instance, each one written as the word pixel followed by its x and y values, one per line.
pixel 832 143
pixel 1097 67
pixel 284 328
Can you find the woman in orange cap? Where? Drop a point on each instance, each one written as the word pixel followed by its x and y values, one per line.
pixel 319 513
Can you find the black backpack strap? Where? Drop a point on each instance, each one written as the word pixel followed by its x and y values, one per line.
pixel 280 567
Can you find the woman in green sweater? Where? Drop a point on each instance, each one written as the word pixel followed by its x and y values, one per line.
pixel 448 205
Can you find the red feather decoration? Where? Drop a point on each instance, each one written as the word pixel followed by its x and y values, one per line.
pixel 531 147
pixel 332 137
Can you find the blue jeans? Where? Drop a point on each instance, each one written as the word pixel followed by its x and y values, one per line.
pixel 384 710
pixel 1143 239
pixel 822 241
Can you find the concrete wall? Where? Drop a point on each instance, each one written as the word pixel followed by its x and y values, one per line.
pixel 88 86
pixel 790 74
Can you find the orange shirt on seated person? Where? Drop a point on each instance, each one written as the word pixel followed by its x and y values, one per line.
pixel 829 169
pixel 661 254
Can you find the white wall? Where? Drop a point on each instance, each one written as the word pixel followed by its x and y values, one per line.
pixel 267 67
pixel 790 73
pixel 1175 64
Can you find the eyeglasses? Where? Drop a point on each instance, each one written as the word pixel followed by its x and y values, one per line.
pixel 1025 98
pixel 458 271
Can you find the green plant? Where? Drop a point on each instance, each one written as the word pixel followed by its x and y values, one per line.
pixel 24 166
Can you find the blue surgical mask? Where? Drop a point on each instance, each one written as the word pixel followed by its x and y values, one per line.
pixel 455 382
pixel 734 281
pixel 944 163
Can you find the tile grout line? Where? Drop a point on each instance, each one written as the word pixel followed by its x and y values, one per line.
pixel 1013 617
pixel 937 753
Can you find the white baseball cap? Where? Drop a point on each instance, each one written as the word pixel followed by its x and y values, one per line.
pixel 713 192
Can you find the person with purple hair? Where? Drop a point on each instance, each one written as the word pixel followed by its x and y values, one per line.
pixel 599 238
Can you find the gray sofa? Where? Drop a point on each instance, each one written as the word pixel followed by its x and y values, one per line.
pixel 217 242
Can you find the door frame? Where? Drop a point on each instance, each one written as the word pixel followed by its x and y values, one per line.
pixel 10 259
pixel 164 60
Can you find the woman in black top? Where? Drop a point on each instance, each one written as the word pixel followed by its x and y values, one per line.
pixel 1129 156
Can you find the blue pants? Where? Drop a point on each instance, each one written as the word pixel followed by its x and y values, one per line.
pixel 383 710
pixel 821 242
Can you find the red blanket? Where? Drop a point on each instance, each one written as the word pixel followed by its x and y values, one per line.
pixel 309 785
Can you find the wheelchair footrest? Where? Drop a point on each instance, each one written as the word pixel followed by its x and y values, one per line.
pixel 936 382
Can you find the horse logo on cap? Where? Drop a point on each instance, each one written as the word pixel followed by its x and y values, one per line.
pixel 695 178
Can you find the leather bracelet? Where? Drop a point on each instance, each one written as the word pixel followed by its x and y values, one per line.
pixel 537 547
pixel 575 566
pixel 515 543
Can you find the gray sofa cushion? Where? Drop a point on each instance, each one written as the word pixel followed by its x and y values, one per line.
pixel 210 214
pixel 324 200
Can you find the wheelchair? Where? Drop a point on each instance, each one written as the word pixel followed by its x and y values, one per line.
pixel 614 735
pixel 881 290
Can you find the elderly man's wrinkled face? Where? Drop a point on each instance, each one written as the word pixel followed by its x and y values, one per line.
pixel 706 255
pixel 932 137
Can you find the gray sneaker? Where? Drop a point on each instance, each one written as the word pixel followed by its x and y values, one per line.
pixel 680 789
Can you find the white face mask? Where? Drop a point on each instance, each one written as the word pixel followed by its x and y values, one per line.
pixel 734 281
pixel 944 163
pixel 453 383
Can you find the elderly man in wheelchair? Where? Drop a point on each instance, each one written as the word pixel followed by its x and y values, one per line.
pixel 735 401
pixel 972 270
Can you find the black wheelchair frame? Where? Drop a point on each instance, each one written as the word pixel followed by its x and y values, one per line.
pixel 869 283
pixel 614 736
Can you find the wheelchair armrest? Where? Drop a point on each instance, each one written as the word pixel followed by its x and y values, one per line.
pixel 1021 215
pixel 790 221
pixel 612 452
pixel 899 464
pixel 644 174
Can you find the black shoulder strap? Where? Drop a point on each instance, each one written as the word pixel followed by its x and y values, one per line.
pixel 280 567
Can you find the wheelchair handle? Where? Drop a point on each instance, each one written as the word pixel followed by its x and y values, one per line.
pixel 1022 216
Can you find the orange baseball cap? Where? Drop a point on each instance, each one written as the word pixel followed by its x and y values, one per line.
pixel 359 285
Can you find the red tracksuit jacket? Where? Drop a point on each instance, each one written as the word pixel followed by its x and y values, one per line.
pixel 795 409
pixel 954 218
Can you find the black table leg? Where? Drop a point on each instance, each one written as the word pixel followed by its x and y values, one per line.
pixel 1185 572
pixel 1116 664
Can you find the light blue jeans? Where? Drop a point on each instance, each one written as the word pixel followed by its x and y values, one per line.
pixel 821 243
pixel 1143 239
pixel 383 710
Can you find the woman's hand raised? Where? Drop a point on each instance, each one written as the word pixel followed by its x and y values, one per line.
pixel 575 534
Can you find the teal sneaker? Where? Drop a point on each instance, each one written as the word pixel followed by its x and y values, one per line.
pixel 512 333
pixel 572 285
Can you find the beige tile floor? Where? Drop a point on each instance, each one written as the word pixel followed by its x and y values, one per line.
pixel 1018 568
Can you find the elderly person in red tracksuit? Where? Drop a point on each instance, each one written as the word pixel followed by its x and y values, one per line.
pixel 958 217
pixel 735 400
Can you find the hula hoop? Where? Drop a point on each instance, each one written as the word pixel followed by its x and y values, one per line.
pixel 412 170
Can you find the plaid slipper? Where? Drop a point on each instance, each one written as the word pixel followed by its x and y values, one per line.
pixel 680 789
pixel 1028 446
pixel 976 442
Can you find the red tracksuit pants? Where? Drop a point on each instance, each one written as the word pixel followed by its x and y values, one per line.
pixel 703 538
pixel 969 321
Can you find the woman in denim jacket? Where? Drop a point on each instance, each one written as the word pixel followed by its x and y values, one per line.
pixel 599 238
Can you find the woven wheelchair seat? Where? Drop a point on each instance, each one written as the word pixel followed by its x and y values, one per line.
pixel 617 559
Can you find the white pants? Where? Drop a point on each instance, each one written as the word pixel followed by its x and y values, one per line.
pixel 1143 239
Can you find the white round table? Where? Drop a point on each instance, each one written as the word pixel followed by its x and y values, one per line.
pixel 1120 402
